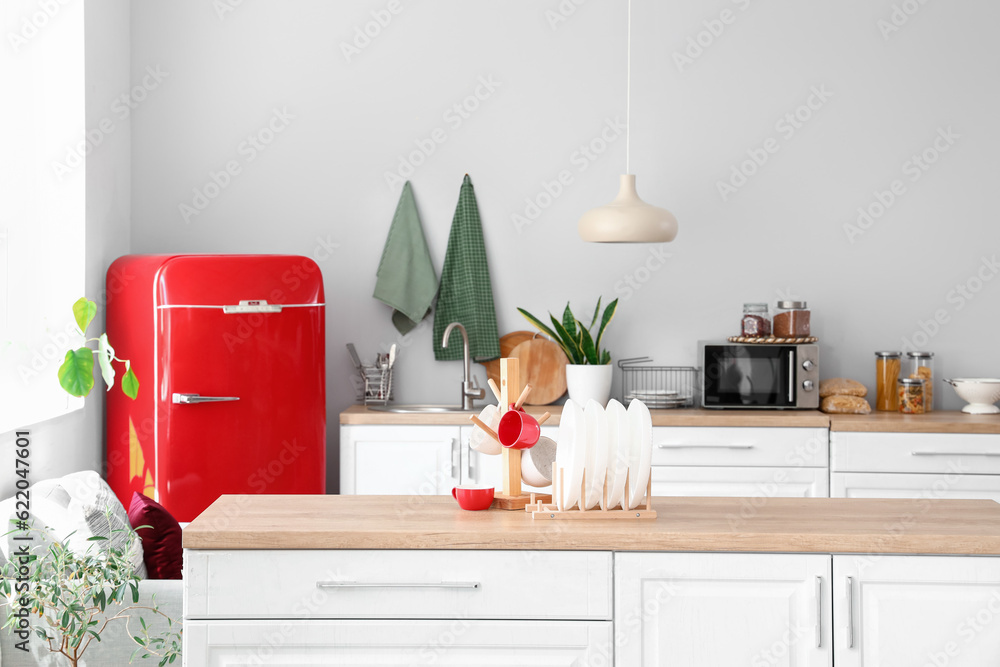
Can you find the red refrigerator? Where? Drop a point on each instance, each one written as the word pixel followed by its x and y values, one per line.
pixel 230 355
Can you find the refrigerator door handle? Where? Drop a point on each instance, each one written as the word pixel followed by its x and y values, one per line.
pixel 198 398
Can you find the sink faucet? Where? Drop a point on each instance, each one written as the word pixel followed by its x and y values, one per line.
pixel 469 389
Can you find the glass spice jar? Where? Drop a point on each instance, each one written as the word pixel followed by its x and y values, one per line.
pixel 756 320
pixel 911 396
pixel 922 367
pixel 887 365
pixel 791 319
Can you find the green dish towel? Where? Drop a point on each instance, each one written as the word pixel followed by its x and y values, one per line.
pixel 405 279
pixel 465 294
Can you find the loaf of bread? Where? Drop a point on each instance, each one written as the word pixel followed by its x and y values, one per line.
pixel 841 387
pixel 845 405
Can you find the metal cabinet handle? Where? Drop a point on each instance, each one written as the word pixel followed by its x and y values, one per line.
pixel 819 612
pixel 850 612
pixel 198 398
pixel 467 585
pixel 454 452
pixel 954 453
pixel 469 469
pixel 681 445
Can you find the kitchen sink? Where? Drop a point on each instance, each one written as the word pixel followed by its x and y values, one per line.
pixel 417 409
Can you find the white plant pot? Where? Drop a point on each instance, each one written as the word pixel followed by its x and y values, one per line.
pixel 585 382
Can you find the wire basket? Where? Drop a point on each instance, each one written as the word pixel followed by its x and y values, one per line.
pixel 376 388
pixel 659 387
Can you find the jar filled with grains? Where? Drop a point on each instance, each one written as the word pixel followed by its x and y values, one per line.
pixel 756 320
pixel 887 365
pixel 911 396
pixel 791 319
pixel 921 367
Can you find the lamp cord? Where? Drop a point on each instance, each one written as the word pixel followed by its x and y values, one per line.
pixel 628 89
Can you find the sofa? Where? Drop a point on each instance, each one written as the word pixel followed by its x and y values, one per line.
pixel 79 504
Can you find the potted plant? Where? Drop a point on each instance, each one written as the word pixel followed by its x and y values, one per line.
pixel 588 374
pixel 67 598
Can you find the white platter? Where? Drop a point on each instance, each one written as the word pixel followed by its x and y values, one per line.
pixel 597 452
pixel 570 453
pixel 618 452
pixel 640 452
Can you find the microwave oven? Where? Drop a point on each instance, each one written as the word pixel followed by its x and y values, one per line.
pixel 774 377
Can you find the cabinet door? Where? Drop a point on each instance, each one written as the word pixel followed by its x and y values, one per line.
pixel 742 482
pixel 487 470
pixel 916 610
pixel 459 642
pixel 883 485
pixel 389 460
pixel 707 610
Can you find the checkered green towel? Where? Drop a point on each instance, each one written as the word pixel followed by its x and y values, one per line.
pixel 465 294
pixel 405 278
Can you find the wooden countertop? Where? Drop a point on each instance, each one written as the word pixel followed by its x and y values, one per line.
pixel 932 422
pixel 359 414
pixel 786 525
pixel 877 422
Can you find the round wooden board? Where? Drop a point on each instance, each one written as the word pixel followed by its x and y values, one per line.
pixel 542 364
pixel 507 344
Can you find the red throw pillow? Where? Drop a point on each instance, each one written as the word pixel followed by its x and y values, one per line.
pixel 162 550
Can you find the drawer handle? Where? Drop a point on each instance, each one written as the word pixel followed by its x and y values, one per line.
pixel 954 453
pixel 474 585
pixel 681 445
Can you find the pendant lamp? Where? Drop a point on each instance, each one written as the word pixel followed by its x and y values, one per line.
pixel 628 219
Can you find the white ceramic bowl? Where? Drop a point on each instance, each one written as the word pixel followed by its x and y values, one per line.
pixel 980 393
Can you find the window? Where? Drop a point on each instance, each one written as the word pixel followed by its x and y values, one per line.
pixel 42 204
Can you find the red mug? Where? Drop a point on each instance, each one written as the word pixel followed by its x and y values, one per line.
pixel 472 497
pixel 518 429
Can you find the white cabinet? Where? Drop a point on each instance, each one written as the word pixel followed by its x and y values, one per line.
pixel 451 642
pixel 389 460
pixel 708 610
pixel 415 460
pixel 753 462
pixel 916 610
pixel 914 465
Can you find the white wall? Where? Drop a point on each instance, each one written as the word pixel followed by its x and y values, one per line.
pixel 76 441
pixel 321 182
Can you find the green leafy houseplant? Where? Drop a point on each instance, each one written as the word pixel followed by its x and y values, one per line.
pixel 67 599
pixel 76 375
pixel 577 341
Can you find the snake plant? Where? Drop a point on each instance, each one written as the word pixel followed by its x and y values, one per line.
pixel 576 340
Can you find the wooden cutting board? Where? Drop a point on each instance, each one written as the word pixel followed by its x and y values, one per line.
pixel 542 365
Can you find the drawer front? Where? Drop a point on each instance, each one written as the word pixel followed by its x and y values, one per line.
pixel 449 642
pixel 718 446
pixel 364 584
pixel 960 453
pixel 750 483
pixel 929 485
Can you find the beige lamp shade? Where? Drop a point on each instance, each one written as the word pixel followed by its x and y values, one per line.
pixel 628 219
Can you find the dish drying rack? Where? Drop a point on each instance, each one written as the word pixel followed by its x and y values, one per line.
pixel 375 387
pixel 659 387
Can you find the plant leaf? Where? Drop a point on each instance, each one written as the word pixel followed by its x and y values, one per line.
pixel 569 321
pixel 130 384
pixel 609 314
pixel 76 375
pixel 537 323
pixel 597 309
pixel 588 347
pixel 605 358
pixel 84 311
pixel 105 355
pixel 568 344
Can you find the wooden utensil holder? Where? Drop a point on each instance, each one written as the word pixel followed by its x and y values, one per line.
pixel 511 497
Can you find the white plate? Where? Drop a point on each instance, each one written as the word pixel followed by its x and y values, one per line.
pixel 618 451
pixel 641 451
pixel 597 452
pixel 481 442
pixel 570 450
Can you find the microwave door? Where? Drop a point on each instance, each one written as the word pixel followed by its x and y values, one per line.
pixel 741 376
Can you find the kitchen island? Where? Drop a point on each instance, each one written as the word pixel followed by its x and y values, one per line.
pixel 335 580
